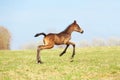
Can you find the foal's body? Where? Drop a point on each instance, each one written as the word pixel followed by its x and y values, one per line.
pixel 63 37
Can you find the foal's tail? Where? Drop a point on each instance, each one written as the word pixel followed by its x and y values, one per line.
pixel 38 34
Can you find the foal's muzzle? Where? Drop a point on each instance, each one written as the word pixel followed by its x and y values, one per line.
pixel 82 32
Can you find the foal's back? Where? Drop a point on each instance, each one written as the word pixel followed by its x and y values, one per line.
pixel 56 39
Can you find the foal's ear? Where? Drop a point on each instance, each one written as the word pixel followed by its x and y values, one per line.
pixel 75 22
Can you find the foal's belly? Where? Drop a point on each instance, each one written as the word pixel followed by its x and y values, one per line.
pixel 58 43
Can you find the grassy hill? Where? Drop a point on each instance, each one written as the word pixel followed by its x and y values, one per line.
pixel 97 63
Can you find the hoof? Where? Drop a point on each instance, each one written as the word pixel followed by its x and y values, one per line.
pixel 60 54
pixel 39 62
pixel 71 60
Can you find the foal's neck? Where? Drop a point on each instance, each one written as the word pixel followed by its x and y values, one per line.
pixel 68 30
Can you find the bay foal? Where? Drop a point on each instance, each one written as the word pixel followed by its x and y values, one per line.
pixel 63 37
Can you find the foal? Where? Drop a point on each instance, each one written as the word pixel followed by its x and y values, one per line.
pixel 63 37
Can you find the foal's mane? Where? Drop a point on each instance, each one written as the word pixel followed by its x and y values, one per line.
pixel 65 31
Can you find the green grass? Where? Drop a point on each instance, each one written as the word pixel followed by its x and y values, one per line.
pixel 98 63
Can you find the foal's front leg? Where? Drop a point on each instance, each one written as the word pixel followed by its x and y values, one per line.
pixel 68 43
pixel 73 48
pixel 64 50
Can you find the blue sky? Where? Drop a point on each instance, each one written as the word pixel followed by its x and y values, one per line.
pixel 24 18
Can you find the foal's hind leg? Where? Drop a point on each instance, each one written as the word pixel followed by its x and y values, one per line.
pixel 41 47
pixel 38 56
pixel 64 50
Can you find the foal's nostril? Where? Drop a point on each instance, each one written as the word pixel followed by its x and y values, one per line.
pixel 82 31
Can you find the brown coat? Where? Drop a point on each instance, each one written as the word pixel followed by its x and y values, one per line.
pixel 63 37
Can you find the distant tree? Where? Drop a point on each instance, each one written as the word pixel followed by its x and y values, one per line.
pixel 83 43
pixel 98 42
pixel 60 46
pixel 5 38
pixel 30 45
pixel 113 41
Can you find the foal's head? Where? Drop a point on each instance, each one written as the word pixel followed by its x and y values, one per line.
pixel 76 27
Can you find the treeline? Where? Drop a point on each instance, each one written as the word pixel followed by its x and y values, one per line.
pixel 113 41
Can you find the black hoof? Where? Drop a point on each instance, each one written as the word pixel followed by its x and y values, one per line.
pixel 39 62
pixel 61 54
pixel 71 60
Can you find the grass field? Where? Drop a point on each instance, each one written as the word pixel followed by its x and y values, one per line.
pixel 98 63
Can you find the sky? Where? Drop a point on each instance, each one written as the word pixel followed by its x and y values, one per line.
pixel 25 18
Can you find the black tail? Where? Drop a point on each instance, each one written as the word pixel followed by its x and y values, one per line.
pixel 38 34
